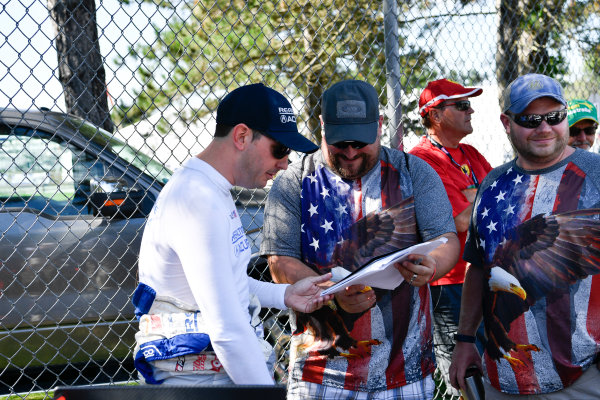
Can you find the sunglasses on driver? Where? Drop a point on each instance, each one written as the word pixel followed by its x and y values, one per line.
pixel 278 150
pixel 531 121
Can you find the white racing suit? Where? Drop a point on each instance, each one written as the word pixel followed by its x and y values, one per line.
pixel 172 337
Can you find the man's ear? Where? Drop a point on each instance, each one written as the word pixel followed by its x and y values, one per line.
pixel 505 122
pixel 322 127
pixel 434 115
pixel 241 135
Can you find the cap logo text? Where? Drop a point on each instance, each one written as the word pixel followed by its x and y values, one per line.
pixel 580 108
pixel 535 85
pixel 351 109
pixel 286 114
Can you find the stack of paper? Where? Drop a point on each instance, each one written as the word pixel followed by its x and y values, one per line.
pixel 381 273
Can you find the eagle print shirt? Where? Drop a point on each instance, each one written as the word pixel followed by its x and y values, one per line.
pixel 536 234
pixel 314 215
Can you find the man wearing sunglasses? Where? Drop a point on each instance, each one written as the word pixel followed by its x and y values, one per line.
pixel 535 258
pixel 337 209
pixel 583 122
pixel 446 114
pixel 198 308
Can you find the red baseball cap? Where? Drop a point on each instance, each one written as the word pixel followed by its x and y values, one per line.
pixel 442 90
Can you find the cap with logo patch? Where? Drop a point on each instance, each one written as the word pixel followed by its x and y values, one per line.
pixel 350 112
pixel 265 110
pixel 578 110
pixel 527 88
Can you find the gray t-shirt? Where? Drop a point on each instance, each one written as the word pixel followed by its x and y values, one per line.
pixel 309 213
pixel 540 263
pixel 282 219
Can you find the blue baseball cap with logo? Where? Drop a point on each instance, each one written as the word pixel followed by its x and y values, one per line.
pixel 350 112
pixel 527 88
pixel 265 110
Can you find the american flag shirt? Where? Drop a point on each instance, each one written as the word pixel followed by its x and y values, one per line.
pixel 565 327
pixel 309 210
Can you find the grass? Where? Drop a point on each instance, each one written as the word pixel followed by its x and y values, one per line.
pixel 46 395
pixel 29 396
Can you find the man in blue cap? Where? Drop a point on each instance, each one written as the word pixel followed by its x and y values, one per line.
pixel 337 209
pixel 198 308
pixel 535 258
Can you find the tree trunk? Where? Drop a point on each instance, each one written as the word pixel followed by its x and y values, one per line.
pixel 527 30
pixel 313 110
pixel 507 51
pixel 80 64
pixel 313 79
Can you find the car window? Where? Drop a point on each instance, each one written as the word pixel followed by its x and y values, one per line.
pixel 133 156
pixel 45 173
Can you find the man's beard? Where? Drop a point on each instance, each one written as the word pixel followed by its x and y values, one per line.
pixel 367 162
pixel 579 143
pixel 538 155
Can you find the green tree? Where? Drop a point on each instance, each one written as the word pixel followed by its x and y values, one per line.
pixel 584 31
pixel 529 35
pixel 299 46
pixel 537 36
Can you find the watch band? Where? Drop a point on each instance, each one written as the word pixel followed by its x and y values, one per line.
pixel 464 338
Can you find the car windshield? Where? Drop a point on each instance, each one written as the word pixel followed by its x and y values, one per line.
pixel 133 156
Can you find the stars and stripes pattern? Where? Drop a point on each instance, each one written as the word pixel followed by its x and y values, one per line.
pixel 328 210
pixel 503 205
pixel 399 326
pixel 559 325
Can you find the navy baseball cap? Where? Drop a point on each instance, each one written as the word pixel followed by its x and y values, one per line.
pixel 350 111
pixel 527 88
pixel 265 110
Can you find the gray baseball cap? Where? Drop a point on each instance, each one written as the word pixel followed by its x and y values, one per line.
pixel 350 111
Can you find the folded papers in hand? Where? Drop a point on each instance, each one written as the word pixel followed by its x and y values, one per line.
pixel 380 272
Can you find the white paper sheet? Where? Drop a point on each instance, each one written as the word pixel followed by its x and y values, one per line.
pixel 381 273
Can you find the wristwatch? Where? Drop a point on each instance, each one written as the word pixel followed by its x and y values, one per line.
pixel 464 338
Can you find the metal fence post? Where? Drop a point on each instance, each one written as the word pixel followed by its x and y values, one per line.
pixel 392 66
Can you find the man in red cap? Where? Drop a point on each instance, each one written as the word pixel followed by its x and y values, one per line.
pixel 446 114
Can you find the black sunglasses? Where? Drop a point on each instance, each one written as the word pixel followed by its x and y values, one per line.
pixel 531 121
pixel 351 143
pixel 278 150
pixel 590 130
pixel 462 105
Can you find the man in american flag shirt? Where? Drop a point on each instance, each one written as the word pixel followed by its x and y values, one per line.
pixel 340 207
pixel 534 249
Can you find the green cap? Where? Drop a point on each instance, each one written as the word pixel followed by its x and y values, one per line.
pixel 581 109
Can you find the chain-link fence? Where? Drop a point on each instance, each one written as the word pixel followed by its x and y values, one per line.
pixel 151 73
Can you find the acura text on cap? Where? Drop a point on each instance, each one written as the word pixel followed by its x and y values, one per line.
pixel 287 114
